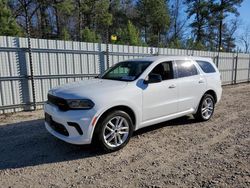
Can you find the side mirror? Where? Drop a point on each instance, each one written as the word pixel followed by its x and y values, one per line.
pixel 153 78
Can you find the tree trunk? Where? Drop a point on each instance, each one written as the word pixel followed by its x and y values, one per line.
pixel 220 25
pixel 159 38
pixel 176 13
pixel 79 20
pixel 43 25
pixel 220 35
pixel 57 23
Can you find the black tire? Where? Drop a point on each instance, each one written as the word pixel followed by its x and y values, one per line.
pixel 101 127
pixel 199 116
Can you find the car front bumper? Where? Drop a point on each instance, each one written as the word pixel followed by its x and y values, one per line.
pixel 73 126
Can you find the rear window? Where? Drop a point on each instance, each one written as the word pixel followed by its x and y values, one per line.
pixel 206 66
pixel 186 68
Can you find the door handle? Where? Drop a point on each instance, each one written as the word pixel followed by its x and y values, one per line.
pixel 172 86
pixel 201 81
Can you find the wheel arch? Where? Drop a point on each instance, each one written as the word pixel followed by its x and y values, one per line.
pixel 213 93
pixel 124 108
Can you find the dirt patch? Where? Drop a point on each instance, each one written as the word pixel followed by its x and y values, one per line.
pixel 178 153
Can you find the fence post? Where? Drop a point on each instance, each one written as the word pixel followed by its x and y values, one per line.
pixel 151 50
pixel 31 75
pixel 236 68
pixel 107 48
pixel 214 59
pixel 30 57
pixel 232 75
pixel 23 73
pixel 217 60
pixel 101 59
pixel 188 52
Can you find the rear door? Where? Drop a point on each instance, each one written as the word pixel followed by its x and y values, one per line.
pixel 192 85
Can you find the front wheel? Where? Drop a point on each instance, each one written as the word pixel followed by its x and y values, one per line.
pixel 114 131
pixel 206 108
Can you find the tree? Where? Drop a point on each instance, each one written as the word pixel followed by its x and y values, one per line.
pixel 198 9
pixel 63 11
pixel 102 16
pixel 225 7
pixel 129 35
pixel 43 22
pixel 144 22
pixel 229 29
pixel 211 37
pixel 64 34
pixel 177 24
pixel 89 35
pixel 244 39
pixel 85 13
pixel 154 17
pixel 122 11
pixel 8 23
pixel 24 12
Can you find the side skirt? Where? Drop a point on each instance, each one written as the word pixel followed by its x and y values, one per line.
pixel 165 118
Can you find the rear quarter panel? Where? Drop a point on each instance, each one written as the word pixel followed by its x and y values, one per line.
pixel 213 80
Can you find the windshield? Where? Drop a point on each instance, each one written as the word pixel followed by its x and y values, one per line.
pixel 126 71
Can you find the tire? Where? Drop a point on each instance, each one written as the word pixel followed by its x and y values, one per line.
pixel 113 132
pixel 206 108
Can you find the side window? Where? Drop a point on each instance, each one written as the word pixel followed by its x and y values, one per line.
pixel 164 69
pixel 206 66
pixel 186 68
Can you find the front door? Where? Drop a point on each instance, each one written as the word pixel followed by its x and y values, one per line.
pixel 161 99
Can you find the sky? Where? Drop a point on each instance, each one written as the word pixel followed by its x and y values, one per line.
pixel 244 18
pixel 244 11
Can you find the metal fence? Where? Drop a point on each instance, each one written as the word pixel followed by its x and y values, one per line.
pixel 57 62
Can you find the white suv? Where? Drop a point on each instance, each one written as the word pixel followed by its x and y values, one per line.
pixel 131 95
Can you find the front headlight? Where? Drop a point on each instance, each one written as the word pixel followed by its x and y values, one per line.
pixel 80 104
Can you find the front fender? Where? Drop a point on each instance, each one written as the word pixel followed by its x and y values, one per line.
pixel 135 108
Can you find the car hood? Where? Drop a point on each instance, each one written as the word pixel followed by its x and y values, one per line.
pixel 87 88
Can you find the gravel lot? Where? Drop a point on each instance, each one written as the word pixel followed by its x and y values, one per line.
pixel 178 153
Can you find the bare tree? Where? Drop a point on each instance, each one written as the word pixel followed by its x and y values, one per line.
pixel 225 7
pixel 24 11
pixel 177 23
pixel 244 39
pixel 229 30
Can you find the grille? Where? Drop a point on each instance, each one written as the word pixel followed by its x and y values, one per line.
pixel 59 102
pixel 56 126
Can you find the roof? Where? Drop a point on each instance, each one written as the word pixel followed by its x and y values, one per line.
pixel 170 58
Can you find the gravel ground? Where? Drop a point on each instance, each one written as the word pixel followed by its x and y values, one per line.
pixel 178 153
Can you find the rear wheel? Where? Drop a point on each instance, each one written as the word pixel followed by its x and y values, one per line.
pixel 114 131
pixel 206 108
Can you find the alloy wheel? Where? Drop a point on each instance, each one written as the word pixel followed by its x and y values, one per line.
pixel 116 131
pixel 207 108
